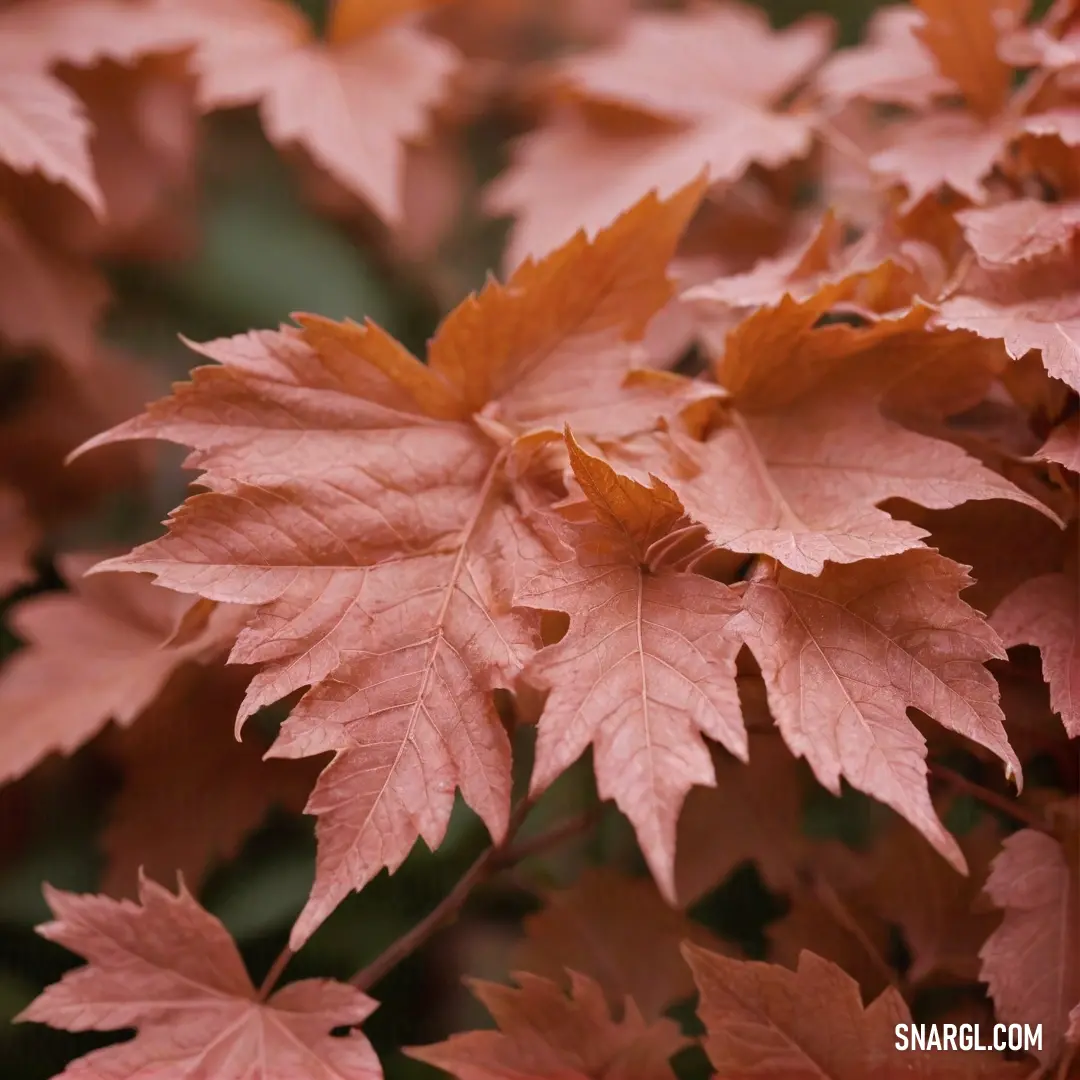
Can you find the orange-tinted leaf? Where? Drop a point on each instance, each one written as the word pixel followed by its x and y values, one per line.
pixel 381 529
pixel 891 66
pixel 168 967
pixel 964 40
pixel 546 1035
pixel 804 454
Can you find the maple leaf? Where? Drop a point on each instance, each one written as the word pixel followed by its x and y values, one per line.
pixel 948 148
pixel 754 812
pixel 1030 962
pixel 43 128
pixel 58 410
pixel 47 300
pixel 964 41
pixel 94 654
pixel 1026 306
pixel 891 66
pixel 381 529
pixel 646 667
pixel 169 968
pixel 545 1034
pixel 768 1022
pixel 1003 543
pixel 844 655
pixel 1063 445
pixel 804 444
pixel 851 899
pixel 943 146
pixel 826 918
pixel 84 33
pixel 191 793
pixel 686 91
pixel 146 132
pixel 1043 611
pixel 1019 230
pixel 43 124
pixel 352 101
pixel 908 886
pixel 618 931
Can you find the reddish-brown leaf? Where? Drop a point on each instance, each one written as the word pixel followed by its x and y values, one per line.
pixel 618 931
pixel 352 102
pixel 1045 611
pixel 755 811
pixel 647 666
pixel 702 89
pixel 93 655
pixel 548 1036
pixel 1032 961
pixel 191 793
pixel 795 464
pixel 767 1022
pixel 844 655
pixel 47 300
pixel 166 966
pixel 1033 306
pixel 1016 231
pixel 371 507
pixel 850 902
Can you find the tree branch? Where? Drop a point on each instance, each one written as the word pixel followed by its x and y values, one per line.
pixel 1012 809
pixel 495 858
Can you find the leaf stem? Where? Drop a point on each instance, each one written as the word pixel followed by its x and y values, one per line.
pixel 566 830
pixel 493 859
pixel 1012 809
pixel 272 976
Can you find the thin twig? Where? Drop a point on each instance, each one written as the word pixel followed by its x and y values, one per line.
pixel 536 845
pixel 447 908
pixel 830 900
pixel 990 798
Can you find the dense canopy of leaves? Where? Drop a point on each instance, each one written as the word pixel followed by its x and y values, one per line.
pixel 732 493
